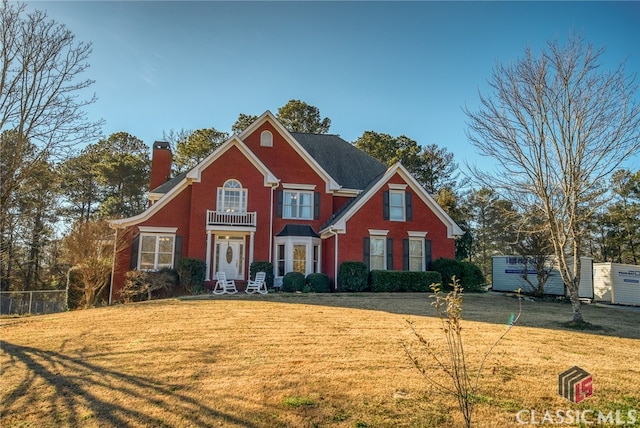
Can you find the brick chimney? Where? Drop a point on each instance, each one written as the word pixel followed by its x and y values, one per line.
pixel 160 164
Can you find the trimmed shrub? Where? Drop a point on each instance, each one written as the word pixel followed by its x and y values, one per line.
pixel 403 281
pixel 472 278
pixel 353 276
pixel 292 282
pixel 191 273
pixel 262 267
pixel 448 268
pixel 318 283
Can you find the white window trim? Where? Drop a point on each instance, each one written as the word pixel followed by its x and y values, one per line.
pixel 417 234
pixel 384 248
pixel 393 186
pixel 404 205
pixel 421 240
pixel 157 229
pixel 266 138
pixel 156 252
pixel 299 192
pixel 296 186
pixel 289 242
pixel 378 232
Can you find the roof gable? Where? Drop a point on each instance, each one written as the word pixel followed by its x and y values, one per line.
pixel 174 186
pixel 267 116
pixel 339 221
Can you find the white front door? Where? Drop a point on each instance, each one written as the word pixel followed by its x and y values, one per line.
pixel 230 257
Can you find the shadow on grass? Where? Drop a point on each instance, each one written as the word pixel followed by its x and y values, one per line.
pixel 73 393
pixel 491 307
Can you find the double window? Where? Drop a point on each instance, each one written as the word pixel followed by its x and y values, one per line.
pixel 298 205
pixel 156 251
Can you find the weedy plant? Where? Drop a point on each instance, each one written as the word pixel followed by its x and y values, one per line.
pixel 464 384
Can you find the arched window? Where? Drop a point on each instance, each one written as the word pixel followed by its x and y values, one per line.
pixel 232 197
pixel 266 139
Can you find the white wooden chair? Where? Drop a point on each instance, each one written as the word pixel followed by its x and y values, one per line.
pixel 258 285
pixel 224 285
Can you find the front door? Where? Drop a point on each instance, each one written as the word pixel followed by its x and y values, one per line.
pixel 230 256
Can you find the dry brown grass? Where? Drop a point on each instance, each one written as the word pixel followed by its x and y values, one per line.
pixel 285 360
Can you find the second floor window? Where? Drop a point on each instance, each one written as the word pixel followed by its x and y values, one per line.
pixel 298 205
pixel 396 206
pixel 232 197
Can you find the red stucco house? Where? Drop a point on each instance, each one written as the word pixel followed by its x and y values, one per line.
pixel 304 202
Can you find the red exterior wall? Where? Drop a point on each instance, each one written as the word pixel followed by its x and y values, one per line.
pixel 370 217
pixel 290 167
pixel 174 214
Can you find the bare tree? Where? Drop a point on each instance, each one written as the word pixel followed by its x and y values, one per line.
pixel 558 125
pixel 40 89
pixel 89 248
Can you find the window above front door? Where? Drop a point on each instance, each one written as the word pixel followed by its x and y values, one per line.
pixel 232 197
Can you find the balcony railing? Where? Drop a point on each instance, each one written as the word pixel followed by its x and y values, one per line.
pixel 222 218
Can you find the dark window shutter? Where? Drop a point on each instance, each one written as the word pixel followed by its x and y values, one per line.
pixel 389 254
pixel 316 206
pixel 366 251
pixel 407 207
pixel 385 205
pixel 427 254
pixel 405 254
pixel 177 255
pixel 279 203
pixel 135 244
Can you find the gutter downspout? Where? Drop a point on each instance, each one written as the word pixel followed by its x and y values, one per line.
pixel 335 257
pixel 273 188
pixel 113 264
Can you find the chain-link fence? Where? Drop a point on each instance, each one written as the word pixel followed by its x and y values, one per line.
pixel 35 302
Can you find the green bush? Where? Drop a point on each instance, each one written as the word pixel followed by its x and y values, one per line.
pixel 448 268
pixel 472 278
pixel 292 282
pixel 402 281
pixel 191 273
pixel 266 267
pixel 353 276
pixel 318 283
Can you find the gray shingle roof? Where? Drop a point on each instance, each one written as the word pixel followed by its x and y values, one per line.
pixel 349 166
pixel 165 187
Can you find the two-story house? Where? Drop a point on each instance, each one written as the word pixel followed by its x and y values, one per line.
pixel 304 202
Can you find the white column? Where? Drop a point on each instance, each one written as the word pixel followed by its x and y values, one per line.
pixel 251 248
pixel 208 260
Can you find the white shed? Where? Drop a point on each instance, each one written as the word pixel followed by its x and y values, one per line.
pixel 508 272
pixel 616 283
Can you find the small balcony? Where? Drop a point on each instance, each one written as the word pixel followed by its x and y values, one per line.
pixel 223 218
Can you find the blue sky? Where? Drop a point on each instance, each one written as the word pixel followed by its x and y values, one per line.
pixel 402 68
